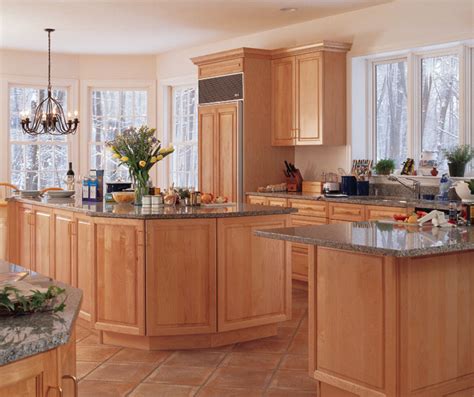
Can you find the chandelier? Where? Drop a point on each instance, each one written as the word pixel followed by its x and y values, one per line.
pixel 49 116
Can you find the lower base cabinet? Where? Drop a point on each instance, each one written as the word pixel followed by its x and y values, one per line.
pixel 48 374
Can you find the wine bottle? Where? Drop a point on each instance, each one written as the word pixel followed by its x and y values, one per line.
pixel 70 172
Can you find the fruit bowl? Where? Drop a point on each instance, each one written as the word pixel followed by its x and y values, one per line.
pixel 123 197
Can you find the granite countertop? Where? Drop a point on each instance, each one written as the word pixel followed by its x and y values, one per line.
pixel 379 238
pixel 387 201
pixel 27 335
pixel 129 211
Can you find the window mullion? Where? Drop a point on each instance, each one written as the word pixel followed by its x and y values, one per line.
pixel 414 107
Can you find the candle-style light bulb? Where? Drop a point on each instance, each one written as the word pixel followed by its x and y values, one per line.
pixel 44 116
pixel 76 113
pixel 69 115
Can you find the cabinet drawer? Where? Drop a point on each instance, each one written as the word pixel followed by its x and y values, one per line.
pixel 309 207
pixel 346 212
pixel 299 261
pixel 303 220
pixel 221 68
pixel 257 200
pixel 277 202
pixel 374 212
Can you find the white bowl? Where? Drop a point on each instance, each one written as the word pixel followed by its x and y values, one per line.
pixel 60 193
pixel 463 191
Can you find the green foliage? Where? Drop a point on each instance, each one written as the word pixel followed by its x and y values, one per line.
pixel 460 154
pixel 385 167
pixel 471 185
pixel 13 302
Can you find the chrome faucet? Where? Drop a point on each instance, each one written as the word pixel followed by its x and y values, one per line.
pixel 415 186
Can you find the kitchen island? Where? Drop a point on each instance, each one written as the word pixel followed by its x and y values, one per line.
pixel 38 351
pixel 390 308
pixel 164 278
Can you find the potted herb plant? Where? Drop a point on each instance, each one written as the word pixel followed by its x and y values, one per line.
pixel 458 157
pixel 139 150
pixel 385 167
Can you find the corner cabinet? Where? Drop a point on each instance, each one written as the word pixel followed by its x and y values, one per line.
pixel 309 95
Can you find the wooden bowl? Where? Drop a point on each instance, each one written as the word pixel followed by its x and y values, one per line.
pixel 123 197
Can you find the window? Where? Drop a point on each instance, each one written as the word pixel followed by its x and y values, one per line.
pixel 113 110
pixel 36 162
pixel 184 137
pixel 391 110
pixel 416 103
pixel 439 105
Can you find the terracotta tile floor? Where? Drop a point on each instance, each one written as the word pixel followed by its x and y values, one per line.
pixel 275 366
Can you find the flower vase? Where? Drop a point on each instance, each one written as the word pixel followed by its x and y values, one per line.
pixel 141 189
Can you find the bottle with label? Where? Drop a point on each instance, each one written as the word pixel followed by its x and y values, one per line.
pixel 85 189
pixel 70 178
pixel 453 212
pixel 93 185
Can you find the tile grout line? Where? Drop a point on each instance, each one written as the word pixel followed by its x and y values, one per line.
pixel 213 372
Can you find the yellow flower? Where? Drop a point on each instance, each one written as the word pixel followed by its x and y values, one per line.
pixel 124 159
pixel 162 150
pixel 159 157
pixel 153 159
pixel 142 163
pixel 111 148
pixel 116 156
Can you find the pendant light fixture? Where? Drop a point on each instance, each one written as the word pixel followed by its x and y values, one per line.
pixel 49 116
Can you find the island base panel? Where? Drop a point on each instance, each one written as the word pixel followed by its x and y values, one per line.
pixel 202 341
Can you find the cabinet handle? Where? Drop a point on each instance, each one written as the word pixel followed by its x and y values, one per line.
pixel 60 391
pixel 74 380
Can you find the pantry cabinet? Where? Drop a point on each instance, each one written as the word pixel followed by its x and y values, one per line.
pixel 309 95
pixel 218 150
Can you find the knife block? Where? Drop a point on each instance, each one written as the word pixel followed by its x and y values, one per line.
pixel 294 183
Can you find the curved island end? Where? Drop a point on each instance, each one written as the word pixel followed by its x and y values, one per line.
pixel 167 278
pixel 38 351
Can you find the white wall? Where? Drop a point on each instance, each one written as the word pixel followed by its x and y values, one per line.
pixel 388 27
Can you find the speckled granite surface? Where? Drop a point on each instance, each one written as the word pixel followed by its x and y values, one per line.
pixel 129 211
pixel 379 238
pixel 24 336
pixel 387 201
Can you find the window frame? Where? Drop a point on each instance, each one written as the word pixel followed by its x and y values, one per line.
pixel 414 77
pixel 71 87
pixel 170 131
pixel 87 86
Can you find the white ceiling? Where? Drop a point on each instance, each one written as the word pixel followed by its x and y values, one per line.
pixel 150 26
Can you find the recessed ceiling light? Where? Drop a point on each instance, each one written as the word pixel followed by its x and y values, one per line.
pixel 288 9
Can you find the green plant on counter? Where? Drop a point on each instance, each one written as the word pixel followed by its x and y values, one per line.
pixel 385 167
pixel 471 185
pixel 458 157
pixel 13 302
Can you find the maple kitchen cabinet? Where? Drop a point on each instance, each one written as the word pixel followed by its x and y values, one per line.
pixel 170 278
pixel 235 142
pixel 309 95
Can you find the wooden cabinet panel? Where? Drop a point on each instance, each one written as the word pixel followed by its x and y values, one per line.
pixel 277 202
pixel 24 246
pixel 226 143
pixel 62 242
pixel 221 68
pixel 120 276
pixel 346 212
pixel 84 238
pixel 207 149
pixel 309 98
pixel 244 276
pixel 283 102
pixel 257 200
pixel 309 207
pixel 181 283
pixel 374 212
pixel 43 240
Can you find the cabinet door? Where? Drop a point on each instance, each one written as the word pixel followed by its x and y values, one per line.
pixel 84 262
pixel 43 241
pixel 254 273
pixel 283 101
pixel 226 141
pixel 181 283
pixel 309 88
pixel 257 200
pixel 63 222
pixel 207 149
pixel 24 246
pixel 120 276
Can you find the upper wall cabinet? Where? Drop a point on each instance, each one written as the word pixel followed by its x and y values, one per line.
pixel 309 95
